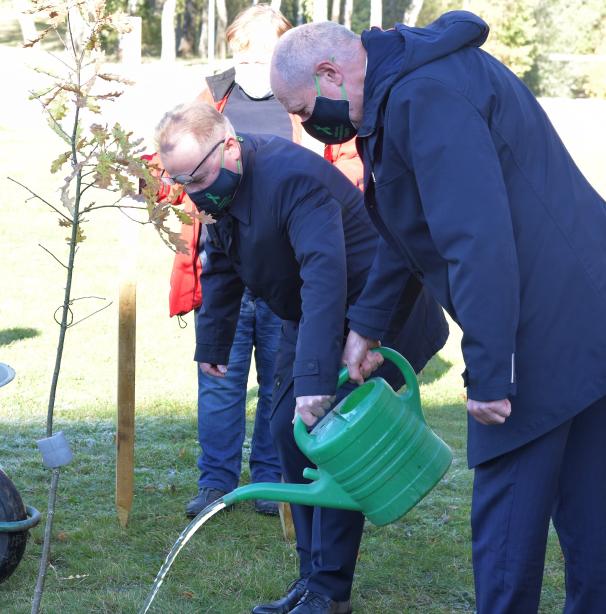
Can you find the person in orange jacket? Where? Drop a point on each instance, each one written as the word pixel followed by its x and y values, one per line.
pixel 244 95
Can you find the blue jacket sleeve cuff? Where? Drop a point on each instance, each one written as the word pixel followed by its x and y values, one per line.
pixel 486 393
pixel 212 354
pixel 371 323
pixel 308 385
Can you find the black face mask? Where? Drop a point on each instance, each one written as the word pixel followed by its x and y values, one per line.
pixel 329 121
pixel 218 196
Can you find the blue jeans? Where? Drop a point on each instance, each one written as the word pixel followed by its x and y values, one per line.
pixel 222 404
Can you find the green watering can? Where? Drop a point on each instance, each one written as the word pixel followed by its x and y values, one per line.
pixel 374 452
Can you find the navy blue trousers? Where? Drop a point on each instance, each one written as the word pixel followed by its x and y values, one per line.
pixel 559 476
pixel 327 539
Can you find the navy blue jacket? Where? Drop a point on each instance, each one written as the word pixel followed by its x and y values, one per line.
pixel 298 236
pixel 474 194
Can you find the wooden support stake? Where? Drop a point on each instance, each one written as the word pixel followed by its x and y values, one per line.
pixel 288 527
pixel 127 324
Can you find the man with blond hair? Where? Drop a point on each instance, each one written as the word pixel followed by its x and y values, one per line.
pixel 293 229
pixel 473 192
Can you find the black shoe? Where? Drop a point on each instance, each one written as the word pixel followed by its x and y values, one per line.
pixel 315 603
pixel 205 497
pixel 268 508
pixel 294 592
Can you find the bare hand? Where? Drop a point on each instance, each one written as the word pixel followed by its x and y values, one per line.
pixel 360 361
pixel 489 412
pixel 310 408
pixel 214 370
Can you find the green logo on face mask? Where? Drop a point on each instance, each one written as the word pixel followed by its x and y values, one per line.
pixel 325 130
pixel 216 200
pixel 339 132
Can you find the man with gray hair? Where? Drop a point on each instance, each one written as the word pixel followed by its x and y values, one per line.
pixel 473 192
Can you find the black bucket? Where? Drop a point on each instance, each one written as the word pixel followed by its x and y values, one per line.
pixel 12 545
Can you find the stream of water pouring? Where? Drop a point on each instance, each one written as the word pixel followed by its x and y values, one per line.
pixel 207 513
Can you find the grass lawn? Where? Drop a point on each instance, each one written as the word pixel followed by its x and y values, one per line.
pixel 418 565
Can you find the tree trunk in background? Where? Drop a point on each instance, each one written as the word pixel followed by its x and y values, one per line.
pixel 411 14
pixel 376 13
pixel 347 12
pixel 320 10
pixel 186 34
pixel 169 48
pixel 221 27
pixel 211 33
pixel 335 12
pixel 26 21
pixel 299 12
pixel 203 42
pixel 276 4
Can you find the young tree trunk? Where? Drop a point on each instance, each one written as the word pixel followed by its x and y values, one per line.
pixel 221 27
pixel 347 13
pixel 169 48
pixel 411 14
pixel 376 13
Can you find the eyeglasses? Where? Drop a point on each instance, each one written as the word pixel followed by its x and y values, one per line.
pixel 187 179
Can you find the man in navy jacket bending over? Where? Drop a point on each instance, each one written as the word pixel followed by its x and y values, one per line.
pixel 294 230
pixel 473 193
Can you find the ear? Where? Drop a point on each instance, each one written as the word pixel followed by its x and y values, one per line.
pixel 232 148
pixel 330 71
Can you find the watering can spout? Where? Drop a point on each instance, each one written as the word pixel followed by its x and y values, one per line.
pixel 322 491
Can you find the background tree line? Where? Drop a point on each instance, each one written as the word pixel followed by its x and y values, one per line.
pixel 558 47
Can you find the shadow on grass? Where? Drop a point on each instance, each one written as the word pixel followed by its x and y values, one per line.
pixel 434 370
pixel 10 335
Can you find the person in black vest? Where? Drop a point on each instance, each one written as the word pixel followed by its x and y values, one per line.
pixel 293 229
pixel 243 94
pixel 474 193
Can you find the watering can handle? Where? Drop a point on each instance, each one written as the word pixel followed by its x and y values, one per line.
pixel 411 393
pixel 410 377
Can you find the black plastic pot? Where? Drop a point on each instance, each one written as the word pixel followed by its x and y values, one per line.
pixel 12 544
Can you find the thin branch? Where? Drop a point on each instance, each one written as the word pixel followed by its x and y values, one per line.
pixel 35 96
pixel 86 186
pixel 55 122
pixel 53 255
pixel 47 110
pixel 42 199
pixel 114 206
pixel 54 55
pixel 71 34
pixel 132 219
pixel 90 315
pixel 60 38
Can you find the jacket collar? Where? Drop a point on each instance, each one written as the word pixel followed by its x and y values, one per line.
pixel 385 53
pixel 391 54
pixel 241 207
